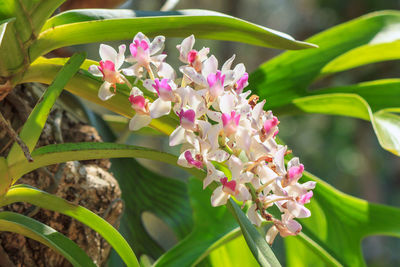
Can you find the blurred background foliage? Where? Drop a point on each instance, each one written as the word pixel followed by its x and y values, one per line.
pixel 343 151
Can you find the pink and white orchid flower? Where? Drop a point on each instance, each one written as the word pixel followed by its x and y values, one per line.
pixel 109 69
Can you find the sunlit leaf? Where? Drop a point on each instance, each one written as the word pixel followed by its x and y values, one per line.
pixel 338 224
pixel 17 223
pixel 99 25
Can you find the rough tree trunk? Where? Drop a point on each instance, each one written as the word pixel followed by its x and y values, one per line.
pixel 85 183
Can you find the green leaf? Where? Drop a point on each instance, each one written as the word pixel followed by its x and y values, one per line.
pixel 257 244
pixel 30 15
pixel 17 223
pixel 233 253
pixel 332 235
pixel 380 94
pixel 11 52
pixel 386 125
pixel 363 55
pixel 87 86
pixel 33 127
pixel 207 234
pixel 288 75
pixel 89 26
pixel 24 193
pixel 52 154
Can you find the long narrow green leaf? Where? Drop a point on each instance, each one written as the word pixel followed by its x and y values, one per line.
pixel 385 124
pixel 87 86
pixel 88 26
pixel 33 127
pixel 363 55
pixel 17 223
pixel 52 154
pixel 257 244
pixel 24 193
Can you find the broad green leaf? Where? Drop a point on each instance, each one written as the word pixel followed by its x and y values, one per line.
pixel 380 94
pixel 332 235
pixel 289 75
pixel 89 26
pixel 366 54
pixel 385 124
pixel 233 253
pixel 207 234
pixel 87 86
pixel 33 127
pixel 17 223
pixel 11 53
pixel 257 244
pixel 24 193
pixel 52 154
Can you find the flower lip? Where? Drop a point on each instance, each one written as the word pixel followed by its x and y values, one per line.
pixel 242 83
pixel 295 172
pixel 269 125
pixel 164 90
pixel 196 163
pixel 137 45
pixel 187 119
pixel 138 103
pixel 191 57
pixel 228 186
pixel 230 122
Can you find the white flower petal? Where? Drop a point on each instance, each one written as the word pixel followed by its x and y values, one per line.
pixel 107 53
pixel 139 121
pixel 279 160
pixel 184 48
pixel 166 71
pixel 120 57
pixel 203 53
pixel 94 70
pixel 235 166
pixel 243 194
pixel 271 234
pixel 194 76
pixel 104 91
pixel 293 162
pixel 157 44
pixel 210 65
pixel 227 65
pixel 214 115
pixel 218 155
pixel 254 216
pixel 212 175
pixel 226 103
pixel 219 197
pixel 297 210
pixel 177 136
pixel 148 84
pixel 160 108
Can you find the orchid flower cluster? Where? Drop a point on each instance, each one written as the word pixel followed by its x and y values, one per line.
pixel 220 123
